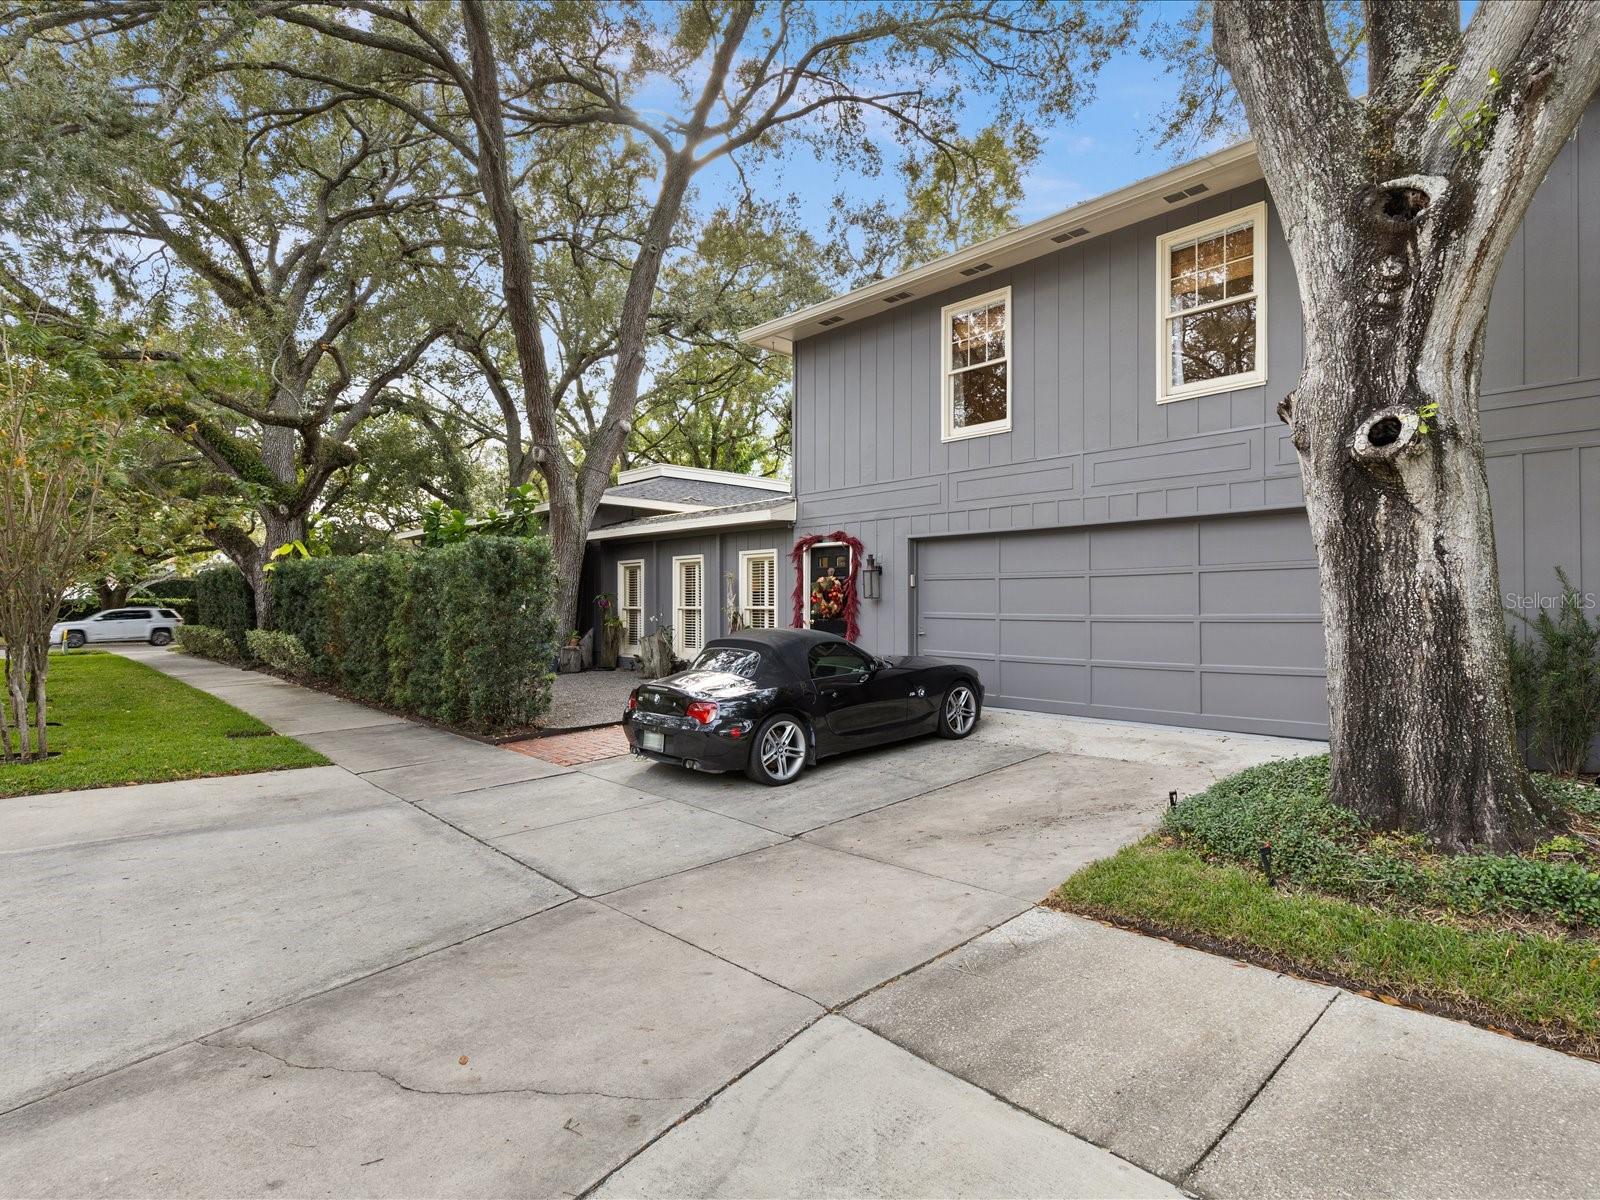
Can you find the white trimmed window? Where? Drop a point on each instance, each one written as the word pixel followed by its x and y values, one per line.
pixel 758 588
pixel 977 366
pixel 630 603
pixel 688 605
pixel 1213 306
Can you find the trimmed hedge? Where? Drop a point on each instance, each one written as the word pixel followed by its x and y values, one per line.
pixel 222 600
pixel 462 634
pixel 281 651
pixel 208 642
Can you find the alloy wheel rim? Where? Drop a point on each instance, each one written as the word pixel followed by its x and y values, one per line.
pixel 960 710
pixel 783 750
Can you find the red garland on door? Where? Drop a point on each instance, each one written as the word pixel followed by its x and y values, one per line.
pixel 852 602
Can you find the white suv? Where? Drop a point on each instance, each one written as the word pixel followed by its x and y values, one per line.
pixel 157 626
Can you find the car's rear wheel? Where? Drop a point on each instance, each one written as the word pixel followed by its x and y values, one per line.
pixel 161 637
pixel 778 751
pixel 75 639
pixel 958 714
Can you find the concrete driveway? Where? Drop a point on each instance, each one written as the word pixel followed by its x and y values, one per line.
pixel 439 968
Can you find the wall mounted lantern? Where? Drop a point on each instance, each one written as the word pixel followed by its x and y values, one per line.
pixel 872 579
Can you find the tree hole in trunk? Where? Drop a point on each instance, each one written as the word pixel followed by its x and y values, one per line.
pixel 1384 432
pixel 1404 203
pixel 1385 435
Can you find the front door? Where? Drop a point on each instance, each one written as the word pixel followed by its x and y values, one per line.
pixel 830 574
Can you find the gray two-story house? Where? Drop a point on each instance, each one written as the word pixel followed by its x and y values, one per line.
pixel 1059 446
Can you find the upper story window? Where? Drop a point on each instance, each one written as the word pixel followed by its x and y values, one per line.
pixel 977 366
pixel 1213 306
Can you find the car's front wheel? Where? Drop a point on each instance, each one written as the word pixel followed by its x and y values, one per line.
pixel 778 751
pixel 161 637
pixel 75 639
pixel 958 715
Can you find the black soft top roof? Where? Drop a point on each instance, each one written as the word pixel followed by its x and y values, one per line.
pixel 782 647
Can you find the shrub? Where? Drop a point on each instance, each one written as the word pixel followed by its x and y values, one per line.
pixel 281 651
pixel 416 637
pixel 361 595
pixel 459 633
pixel 1556 682
pixel 1317 844
pixel 498 633
pixel 299 608
pixel 209 642
pixel 223 601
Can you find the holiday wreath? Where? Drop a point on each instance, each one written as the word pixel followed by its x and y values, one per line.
pixel 831 598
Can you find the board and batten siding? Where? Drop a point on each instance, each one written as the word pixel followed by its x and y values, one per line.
pixel 721 552
pixel 1090 445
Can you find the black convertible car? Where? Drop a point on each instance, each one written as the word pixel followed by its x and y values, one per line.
pixel 770 701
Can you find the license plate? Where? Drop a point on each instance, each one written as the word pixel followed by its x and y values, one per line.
pixel 650 740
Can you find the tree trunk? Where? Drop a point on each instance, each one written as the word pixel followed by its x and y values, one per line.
pixel 40 672
pixel 1394 285
pixel 567 558
pixel 1422 730
pixel 252 561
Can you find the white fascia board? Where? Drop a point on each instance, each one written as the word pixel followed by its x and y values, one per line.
pixel 669 471
pixel 778 514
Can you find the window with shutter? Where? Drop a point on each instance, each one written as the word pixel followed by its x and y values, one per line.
pixel 630 603
pixel 688 603
pixel 759 588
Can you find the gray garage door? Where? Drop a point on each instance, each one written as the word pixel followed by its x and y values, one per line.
pixel 1211 622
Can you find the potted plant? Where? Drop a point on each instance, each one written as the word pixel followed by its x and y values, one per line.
pixel 611 626
pixel 570 660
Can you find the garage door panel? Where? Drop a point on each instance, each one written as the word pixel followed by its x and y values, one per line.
pixel 1263 696
pixel 1164 544
pixel 1045 683
pixel 958 556
pixel 951 636
pixel 1143 595
pixel 1142 641
pixel 1047 550
pixel 960 595
pixel 1066 596
pixel 1268 538
pixel 1152 688
pixel 1260 590
pixel 1296 644
pixel 1044 638
pixel 1206 621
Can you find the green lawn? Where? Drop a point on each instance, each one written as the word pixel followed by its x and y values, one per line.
pixel 122 722
pixel 1543 987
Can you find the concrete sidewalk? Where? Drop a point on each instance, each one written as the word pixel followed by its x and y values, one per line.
pixel 441 968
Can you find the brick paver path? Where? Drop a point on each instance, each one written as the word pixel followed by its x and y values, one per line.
pixel 574 749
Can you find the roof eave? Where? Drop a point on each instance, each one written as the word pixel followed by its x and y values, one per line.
pixel 1231 166
pixel 777 514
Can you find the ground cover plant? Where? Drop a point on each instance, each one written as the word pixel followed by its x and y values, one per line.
pixel 1264 866
pixel 118 721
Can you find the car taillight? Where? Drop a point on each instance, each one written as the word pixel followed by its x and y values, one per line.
pixel 633 700
pixel 703 711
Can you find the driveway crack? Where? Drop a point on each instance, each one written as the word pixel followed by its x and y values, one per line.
pixel 422 1091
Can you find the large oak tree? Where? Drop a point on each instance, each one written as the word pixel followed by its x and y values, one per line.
pixel 261 243
pixel 691 83
pixel 1398 207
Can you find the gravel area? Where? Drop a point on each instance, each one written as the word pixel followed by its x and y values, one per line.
pixel 588 698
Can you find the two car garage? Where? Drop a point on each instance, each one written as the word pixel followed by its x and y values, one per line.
pixel 1212 621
